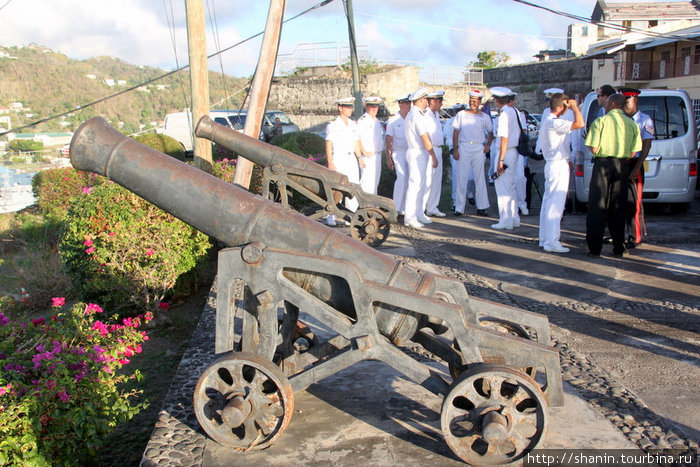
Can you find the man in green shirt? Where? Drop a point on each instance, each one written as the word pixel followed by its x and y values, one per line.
pixel 612 139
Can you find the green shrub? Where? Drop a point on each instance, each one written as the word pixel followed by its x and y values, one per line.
pixel 55 189
pixel 302 143
pixel 124 251
pixel 162 143
pixel 225 169
pixel 60 385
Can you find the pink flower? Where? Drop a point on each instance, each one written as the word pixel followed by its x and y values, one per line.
pixel 90 250
pixel 3 319
pixel 38 321
pixel 52 383
pixel 111 234
pixel 87 242
pixel 58 302
pixel 5 389
pixel 150 252
pixel 101 327
pixel 164 305
pixel 87 190
pixel 63 395
pixel 91 308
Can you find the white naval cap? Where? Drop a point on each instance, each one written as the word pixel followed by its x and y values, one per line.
pixel 346 101
pixel 372 100
pixel 551 91
pixel 406 98
pixel 418 93
pixel 500 91
pixel 436 94
pixel 476 93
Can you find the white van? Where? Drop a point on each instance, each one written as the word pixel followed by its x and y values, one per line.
pixel 179 125
pixel 670 169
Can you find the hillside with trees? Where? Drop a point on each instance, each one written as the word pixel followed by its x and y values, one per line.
pixel 50 83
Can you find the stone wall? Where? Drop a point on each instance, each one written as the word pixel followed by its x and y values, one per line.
pixel 309 100
pixel 530 80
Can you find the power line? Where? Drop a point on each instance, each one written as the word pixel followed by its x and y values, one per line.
pixel 164 75
pixel 606 24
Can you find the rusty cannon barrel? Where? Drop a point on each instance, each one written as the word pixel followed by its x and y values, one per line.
pixel 288 171
pixel 235 217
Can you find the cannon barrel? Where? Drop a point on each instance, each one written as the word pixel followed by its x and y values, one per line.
pixel 265 154
pixel 236 217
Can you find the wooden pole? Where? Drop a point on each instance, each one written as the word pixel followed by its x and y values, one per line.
pixel 356 92
pixel 199 78
pixel 260 88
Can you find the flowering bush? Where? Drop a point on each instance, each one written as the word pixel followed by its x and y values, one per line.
pixel 60 388
pixel 124 251
pixel 56 188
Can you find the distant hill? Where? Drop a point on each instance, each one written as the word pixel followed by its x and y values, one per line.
pixel 49 83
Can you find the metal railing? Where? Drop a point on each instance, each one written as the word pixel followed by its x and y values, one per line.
pixel 644 70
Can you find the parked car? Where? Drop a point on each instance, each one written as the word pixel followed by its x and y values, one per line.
pixel 269 122
pixel 671 166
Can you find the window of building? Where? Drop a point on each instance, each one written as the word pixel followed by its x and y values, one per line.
pixel 627 24
pixel 666 56
pixel 685 51
pixel 696 58
pixel 584 31
pixel 653 23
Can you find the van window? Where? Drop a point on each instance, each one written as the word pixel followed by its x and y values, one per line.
pixel 669 113
pixel 284 120
pixel 593 113
pixel 237 121
pixel 221 121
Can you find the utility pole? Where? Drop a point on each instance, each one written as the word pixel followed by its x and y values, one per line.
pixel 199 78
pixel 356 93
pixel 260 88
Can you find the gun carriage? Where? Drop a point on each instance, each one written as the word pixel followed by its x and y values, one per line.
pixel 280 264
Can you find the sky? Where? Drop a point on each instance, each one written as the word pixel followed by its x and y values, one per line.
pixel 445 33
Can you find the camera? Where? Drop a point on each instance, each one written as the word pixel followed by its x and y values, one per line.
pixel 495 175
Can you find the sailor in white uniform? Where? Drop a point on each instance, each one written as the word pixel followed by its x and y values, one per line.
pixel 396 146
pixel 343 151
pixel 372 143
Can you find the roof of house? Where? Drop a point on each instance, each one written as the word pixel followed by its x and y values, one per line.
pixel 619 11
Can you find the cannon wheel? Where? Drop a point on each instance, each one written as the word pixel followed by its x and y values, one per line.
pixel 243 401
pixel 493 415
pixel 499 325
pixel 370 226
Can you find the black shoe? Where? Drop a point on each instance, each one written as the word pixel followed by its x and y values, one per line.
pixel 593 255
pixel 482 213
pixel 471 201
pixel 619 253
pixel 456 213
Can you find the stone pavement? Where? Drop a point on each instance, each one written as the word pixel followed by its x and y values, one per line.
pixel 625 328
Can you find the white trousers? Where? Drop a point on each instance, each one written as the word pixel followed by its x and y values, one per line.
pixel 520 181
pixel 346 164
pixel 432 195
pixel 471 161
pixel 369 181
pixel 505 190
pixel 453 181
pixel 556 186
pixel 416 189
pixel 398 156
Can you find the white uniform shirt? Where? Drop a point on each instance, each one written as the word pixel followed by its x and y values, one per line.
pixel 370 133
pixel 342 136
pixel 395 129
pixel 447 131
pixel 472 128
pixel 436 136
pixel 646 126
pixel 418 123
pixel 508 126
pixel 553 137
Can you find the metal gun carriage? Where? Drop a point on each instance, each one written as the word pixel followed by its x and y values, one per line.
pixel 280 264
pixel 285 173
